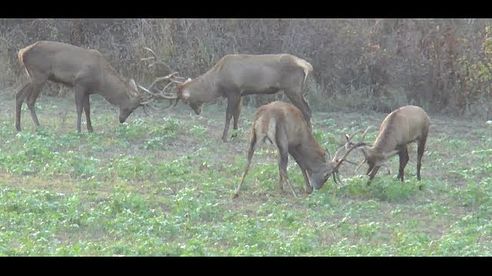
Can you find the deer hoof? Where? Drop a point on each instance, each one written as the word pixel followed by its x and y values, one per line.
pixel 308 190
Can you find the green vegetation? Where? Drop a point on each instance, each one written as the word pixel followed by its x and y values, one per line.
pixel 162 185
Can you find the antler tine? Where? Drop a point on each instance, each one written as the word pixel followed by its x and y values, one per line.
pixel 350 162
pixel 147 58
pixel 339 161
pixel 337 176
pixel 182 78
pixel 151 51
pixel 175 78
pixel 165 87
pixel 364 133
pixel 155 82
pixel 160 94
pixel 349 137
pixel 168 77
pixel 360 164
pixel 171 75
pixel 156 58
pixel 328 152
pixel 144 89
pixel 337 152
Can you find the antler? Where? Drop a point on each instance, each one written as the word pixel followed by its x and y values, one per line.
pixel 338 161
pixel 349 137
pixel 156 58
pixel 349 144
pixel 171 78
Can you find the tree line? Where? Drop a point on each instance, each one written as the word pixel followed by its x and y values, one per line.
pixel 443 65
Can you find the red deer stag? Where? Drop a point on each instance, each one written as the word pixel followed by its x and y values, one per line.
pixel 86 70
pixel 283 125
pixel 234 76
pixel 401 127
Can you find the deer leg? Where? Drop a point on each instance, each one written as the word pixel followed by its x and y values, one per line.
pixel 282 164
pixel 19 99
pixel 403 153
pixel 307 188
pixel 372 172
pixel 251 151
pixel 231 103
pixel 299 101
pixel 235 115
pixel 283 150
pixel 31 100
pixel 87 110
pixel 79 101
pixel 420 153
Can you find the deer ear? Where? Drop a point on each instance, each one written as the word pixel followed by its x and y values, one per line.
pixel 133 84
pixel 185 94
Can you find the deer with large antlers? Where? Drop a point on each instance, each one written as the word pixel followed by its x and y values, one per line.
pixel 86 70
pixel 237 75
pixel 401 127
pixel 283 125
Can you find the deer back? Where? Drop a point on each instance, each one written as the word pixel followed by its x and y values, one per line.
pixel 261 72
pixel 402 126
pixel 280 120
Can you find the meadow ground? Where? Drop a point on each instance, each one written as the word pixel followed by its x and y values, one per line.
pixel 162 185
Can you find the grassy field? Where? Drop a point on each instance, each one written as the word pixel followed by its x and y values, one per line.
pixel 162 185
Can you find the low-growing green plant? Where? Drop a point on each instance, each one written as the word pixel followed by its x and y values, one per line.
pixel 163 186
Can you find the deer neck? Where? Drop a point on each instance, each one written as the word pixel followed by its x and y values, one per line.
pixel 204 88
pixel 385 142
pixel 387 137
pixel 311 156
pixel 115 90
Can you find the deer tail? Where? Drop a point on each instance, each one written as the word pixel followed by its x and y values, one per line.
pixel 20 56
pixel 306 66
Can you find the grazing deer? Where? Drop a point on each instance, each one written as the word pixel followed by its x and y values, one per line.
pixel 234 76
pixel 402 126
pixel 86 70
pixel 283 125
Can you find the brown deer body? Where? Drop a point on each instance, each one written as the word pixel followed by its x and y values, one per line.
pixel 86 70
pixel 283 125
pixel 404 125
pixel 238 75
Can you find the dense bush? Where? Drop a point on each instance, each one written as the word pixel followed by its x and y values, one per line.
pixel 443 65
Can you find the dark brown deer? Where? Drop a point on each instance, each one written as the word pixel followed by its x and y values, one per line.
pixel 234 76
pixel 283 125
pixel 401 127
pixel 86 70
